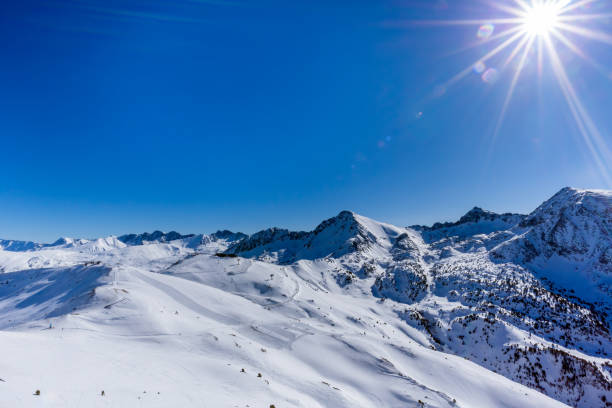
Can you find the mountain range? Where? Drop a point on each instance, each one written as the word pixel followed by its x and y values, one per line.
pixel 493 310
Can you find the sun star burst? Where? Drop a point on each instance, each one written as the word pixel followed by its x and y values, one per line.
pixel 516 29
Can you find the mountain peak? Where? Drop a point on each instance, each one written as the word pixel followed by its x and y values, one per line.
pixel 343 234
pixel 68 242
pixel 573 194
pixel 475 221
pixel 229 236
pixel 475 214
pixel 346 214
pixel 572 200
pixel 573 225
pixel 344 218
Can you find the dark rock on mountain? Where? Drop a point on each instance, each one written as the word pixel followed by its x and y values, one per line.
pixel 229 236
pixel 156 236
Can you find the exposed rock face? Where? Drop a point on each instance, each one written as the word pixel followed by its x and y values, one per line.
pixel 405 283
pixel 155 236
pixel 271 239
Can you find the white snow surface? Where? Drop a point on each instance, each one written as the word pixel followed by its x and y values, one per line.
pixel 356 313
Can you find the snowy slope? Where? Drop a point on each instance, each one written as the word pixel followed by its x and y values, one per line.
pixel 355 313
pixel 170 339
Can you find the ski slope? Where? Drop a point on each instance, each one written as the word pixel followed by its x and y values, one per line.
pixel 181 336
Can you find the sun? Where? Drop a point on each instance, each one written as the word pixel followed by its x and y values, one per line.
pixel 541 19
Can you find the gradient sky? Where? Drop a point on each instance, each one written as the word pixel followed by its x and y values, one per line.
pixel 134 115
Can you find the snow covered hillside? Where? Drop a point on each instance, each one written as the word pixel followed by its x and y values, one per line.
pixel 494 310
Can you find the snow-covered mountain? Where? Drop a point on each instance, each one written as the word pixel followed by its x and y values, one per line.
pixel 17 246
pixel 568 239
pixel 494 310
pixel 345 234
pixel 474 222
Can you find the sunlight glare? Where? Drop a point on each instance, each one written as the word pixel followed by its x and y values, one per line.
pixel 541 19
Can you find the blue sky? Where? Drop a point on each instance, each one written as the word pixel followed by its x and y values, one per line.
pixel 194 115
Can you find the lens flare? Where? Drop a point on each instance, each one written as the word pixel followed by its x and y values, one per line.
pixel 485 31
pixel 479 67
pixel 490 76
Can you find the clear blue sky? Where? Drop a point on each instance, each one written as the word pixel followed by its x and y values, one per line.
pixel 194 115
